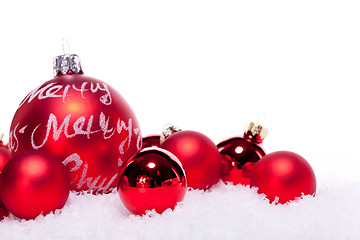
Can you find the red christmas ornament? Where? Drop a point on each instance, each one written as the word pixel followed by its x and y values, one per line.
pixel 239 154
pixel 80 120
pixel 285 175
pixel 3 211
pixel 151 141
pixel 198 155
pixel 153 179
pixel 34 182
pixel 4 153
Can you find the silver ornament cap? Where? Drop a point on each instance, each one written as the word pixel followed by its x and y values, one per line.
pixel 167 131
pixel 67 63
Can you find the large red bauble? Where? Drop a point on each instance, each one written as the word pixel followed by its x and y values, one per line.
pixel 238 158
pixel 285 175
pixel 153 179
pixel 82 121
pixel 198 155
pixel 33 183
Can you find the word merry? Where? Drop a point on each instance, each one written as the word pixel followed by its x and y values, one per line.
pixel 81 126
pixel 53 90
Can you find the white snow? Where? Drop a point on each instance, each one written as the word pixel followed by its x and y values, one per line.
pixel 224 212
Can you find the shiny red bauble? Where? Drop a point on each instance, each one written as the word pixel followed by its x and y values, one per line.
pixel 4 155
pixel 4 158
pixel 34 183
pixel 2 213
pixel 151 141
pixel 153 179
pixel 285 175
pixel 238 158
pixel 198 155
pixel 82 121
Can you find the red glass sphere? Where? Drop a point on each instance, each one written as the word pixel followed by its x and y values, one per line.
pixel 151 141
pixel 198 155
pixel 33 183
pixel 285 175
pixel 238 158
pixel 153 179
pixel 4 155
pixel 83 122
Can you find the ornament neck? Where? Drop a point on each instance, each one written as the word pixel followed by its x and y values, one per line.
pixel 2 141
pixel 168 130
pixel 255 133
pixel 67 64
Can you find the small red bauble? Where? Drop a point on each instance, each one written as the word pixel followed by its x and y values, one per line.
pixel 153 179
pixel 83 121
pixel 4 156
pixel 3 211
pixel 198 155
pixel 34 183
pixel 285 175
pixel 151 141
pixel 239 154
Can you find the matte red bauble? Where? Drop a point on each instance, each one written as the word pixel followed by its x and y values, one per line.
pixel 285 175
pixel 151 141
pixel 153 179
pixel 34 183
pixel 198 155
pixel 239 154
pixel 80 120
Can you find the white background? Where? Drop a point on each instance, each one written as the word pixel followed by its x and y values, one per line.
pixel 208 66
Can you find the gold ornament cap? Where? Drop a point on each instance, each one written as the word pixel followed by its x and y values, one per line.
pixel 255 133
pixel 2 141
pixel 167 131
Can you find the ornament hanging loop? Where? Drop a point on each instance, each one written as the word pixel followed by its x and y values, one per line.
pixel 66 47
pixel 167 131
pixel 66 63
